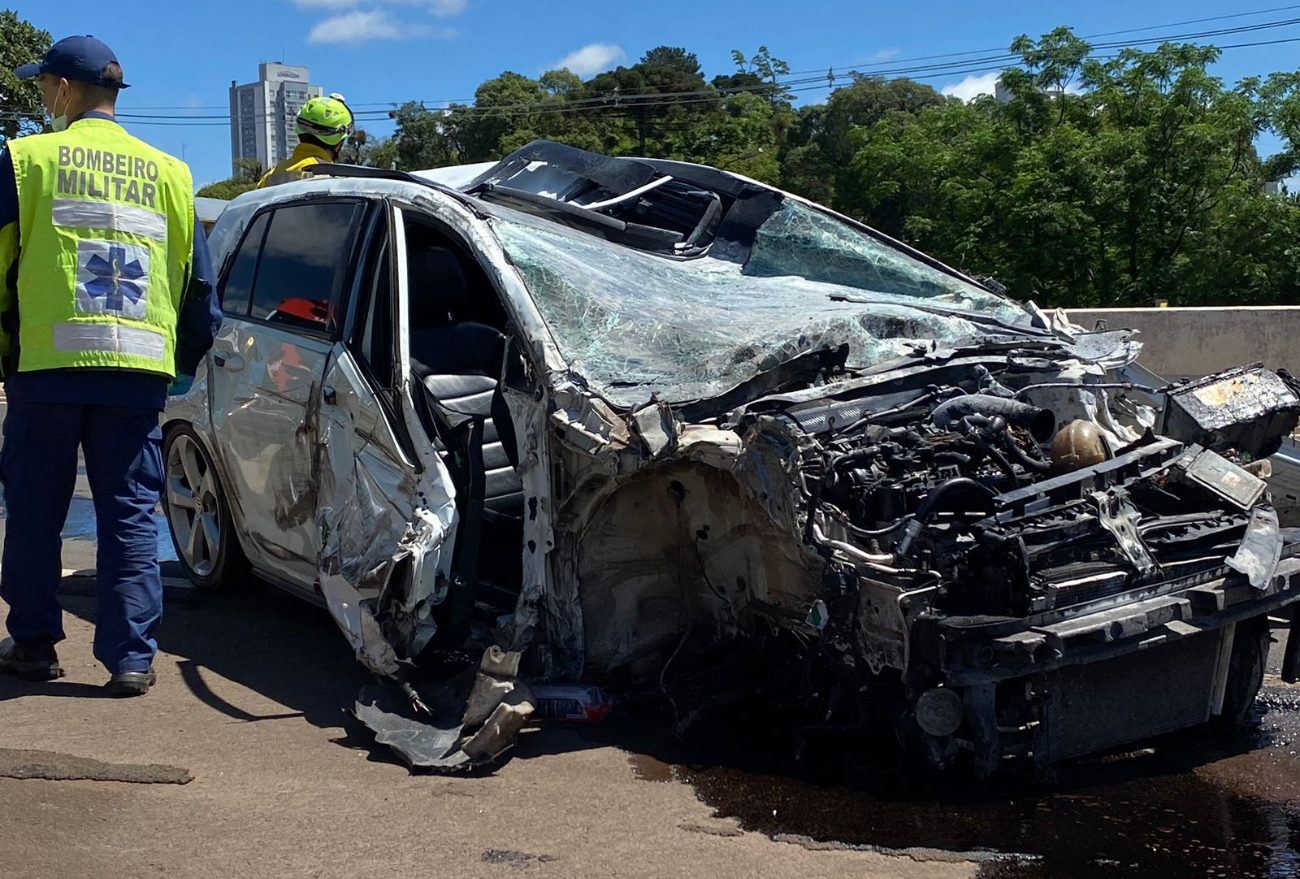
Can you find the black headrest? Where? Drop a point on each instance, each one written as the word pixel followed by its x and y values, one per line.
pixel 437 284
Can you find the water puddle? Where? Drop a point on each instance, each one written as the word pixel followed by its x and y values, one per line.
pixel 1189 805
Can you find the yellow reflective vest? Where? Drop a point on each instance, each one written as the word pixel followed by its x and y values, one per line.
pixel 106 233
pixel 295 167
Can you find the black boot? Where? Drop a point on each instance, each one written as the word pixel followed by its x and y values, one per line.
pixel 35 663
pixel 131 683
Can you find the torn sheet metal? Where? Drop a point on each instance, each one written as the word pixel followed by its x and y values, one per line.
pixel 656 427
pixel 1261 548
pixel 422 741
pixel 347 607
pixel 450 726
pixel 376 512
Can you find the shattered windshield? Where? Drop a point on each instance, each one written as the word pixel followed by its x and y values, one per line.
pixel 634 324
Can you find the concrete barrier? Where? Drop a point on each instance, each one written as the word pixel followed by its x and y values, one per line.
pixel 1182 342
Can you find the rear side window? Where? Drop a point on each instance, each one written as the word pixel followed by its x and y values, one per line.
pixel 305 258
pixel 237 289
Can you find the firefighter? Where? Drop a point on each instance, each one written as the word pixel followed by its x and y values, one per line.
pixel 324 125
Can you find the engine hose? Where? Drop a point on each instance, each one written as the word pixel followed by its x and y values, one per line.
pixel 1040 422
pixel 960 482
pixel 989 449
pixel 914 524
pixel 952 458
pixel 998 428
pixel 853 457
pixel 1026 460
pixel 869 534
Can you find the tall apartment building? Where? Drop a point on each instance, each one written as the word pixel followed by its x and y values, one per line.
pixel 262 113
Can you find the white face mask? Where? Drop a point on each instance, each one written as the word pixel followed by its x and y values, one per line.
pixel 59 121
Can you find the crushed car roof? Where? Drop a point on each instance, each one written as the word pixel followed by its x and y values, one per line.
pixel 660 278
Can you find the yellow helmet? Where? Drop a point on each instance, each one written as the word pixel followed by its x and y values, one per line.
pixel 327 119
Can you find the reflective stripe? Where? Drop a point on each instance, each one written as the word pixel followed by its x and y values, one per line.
pixel 80 213
pixel 109 337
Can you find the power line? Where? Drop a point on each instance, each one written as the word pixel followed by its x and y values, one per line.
pixel 1132 30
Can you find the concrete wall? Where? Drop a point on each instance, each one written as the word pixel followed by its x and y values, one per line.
pixel 1180 342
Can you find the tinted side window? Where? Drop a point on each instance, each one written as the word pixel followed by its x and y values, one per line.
pixel 237 288
pixel 304 264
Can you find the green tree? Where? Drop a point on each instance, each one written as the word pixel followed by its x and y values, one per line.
pixel 427 139
pixel 20 101
pixel 1121 194
pixel 767 69
pixel 650 108
pixel 824 137
pixel 248 172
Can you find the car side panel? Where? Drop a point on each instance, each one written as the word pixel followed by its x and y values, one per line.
pixel 264 388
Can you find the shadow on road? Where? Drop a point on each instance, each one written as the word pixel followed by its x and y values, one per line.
pixel 265 640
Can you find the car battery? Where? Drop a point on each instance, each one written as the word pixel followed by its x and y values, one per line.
pixel 1248 409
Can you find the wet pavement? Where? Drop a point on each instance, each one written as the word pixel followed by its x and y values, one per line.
pixel 1199 803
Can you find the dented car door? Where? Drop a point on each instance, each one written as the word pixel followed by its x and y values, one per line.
pixel 283 289
pixel 385 504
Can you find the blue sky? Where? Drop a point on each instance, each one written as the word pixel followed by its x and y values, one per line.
pixel 184 55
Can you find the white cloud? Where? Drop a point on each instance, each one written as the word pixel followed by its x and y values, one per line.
pixel 361 25
pixel 590 60
pixel 972 86
pixel 359 20
pixel 880 56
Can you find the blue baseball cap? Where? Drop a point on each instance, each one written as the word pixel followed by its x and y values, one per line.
pixel 79 59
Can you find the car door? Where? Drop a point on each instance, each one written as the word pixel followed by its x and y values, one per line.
pixel 282 296
pixel 385 501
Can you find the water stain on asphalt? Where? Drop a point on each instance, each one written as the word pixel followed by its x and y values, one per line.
pixel 1189 805
pixel 54 766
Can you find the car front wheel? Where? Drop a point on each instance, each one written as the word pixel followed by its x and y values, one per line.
pixel 198 514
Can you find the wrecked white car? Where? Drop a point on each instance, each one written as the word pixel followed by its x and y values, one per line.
pixel 590 409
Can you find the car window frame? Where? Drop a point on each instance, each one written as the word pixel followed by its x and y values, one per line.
pixel 329 333
pixel 376 237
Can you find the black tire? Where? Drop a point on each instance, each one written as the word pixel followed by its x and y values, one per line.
pixel 1249 660
pixel 210 568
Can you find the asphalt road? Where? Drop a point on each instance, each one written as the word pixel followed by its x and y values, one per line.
pixel 250 705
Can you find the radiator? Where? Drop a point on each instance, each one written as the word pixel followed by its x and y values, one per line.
pixel 1135 696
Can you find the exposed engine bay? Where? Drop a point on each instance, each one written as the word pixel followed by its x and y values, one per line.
pixel 988 526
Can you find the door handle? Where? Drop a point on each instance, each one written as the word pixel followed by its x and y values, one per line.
pixel 329 395
pixel 226 360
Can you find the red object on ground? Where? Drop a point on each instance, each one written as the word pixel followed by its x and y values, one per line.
pixel 571 703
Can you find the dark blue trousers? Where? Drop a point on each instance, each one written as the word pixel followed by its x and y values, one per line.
pixel 38 467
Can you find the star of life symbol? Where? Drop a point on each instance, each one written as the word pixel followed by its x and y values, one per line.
pixel 117 278
pixel 112 278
